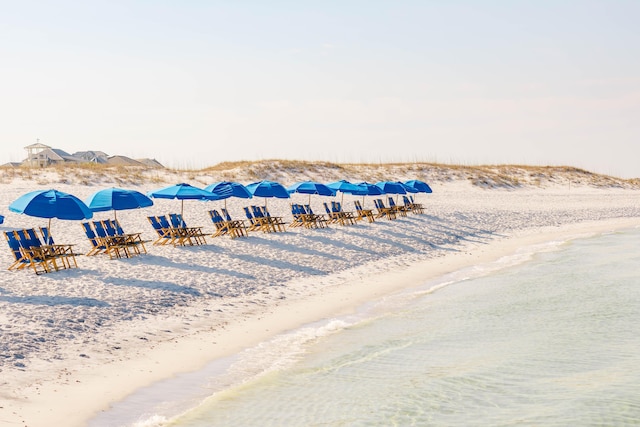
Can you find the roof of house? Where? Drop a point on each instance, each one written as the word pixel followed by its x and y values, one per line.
pixel 123 161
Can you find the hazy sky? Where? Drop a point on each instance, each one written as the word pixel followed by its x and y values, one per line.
pixel 194 83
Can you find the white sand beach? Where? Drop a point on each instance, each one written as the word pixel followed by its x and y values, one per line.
pixel 75 341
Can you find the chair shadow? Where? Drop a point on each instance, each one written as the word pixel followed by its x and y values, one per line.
pixel 155 285
pixel 54 300
pixel 291 247
pixel 284 265
pixel 150 259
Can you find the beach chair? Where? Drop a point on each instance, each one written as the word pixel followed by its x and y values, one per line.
pixel 254 223
pixel 97 247
pixel 265 224
pixel 43 259
pixel 237 226
pixel 194 235
pixel 132 240
pixel 297 214
pixel 59 253
pixel 383 210
pixel 334 217
pixel 302 218
pixel 398 209
pixel 218 221
pixel 179 236
pixel 165 235
pixel 344 217
pixel 224 226
pixel 115 247
pixel 362 213
pixel 20 261
pixel 415 208
pixel 320 219
pixel 65 251
pixel 277 221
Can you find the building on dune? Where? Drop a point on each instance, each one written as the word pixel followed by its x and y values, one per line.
pixel 41 156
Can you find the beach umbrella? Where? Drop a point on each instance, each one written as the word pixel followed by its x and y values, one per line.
pixel 1 219
pixel 344 186
pixel 311 187
pixel 117 199
pixel 268 189
pixel 407 188
pixel 226 189
pixel 370 189
pixel 183 192
pixel 420 186
pixel 51 204
pixel 391 187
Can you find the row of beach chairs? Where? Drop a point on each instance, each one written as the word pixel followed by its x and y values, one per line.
pixel 35 248
pixel 108 237
pixel 303 216
pixel 38 251
pixel 172 229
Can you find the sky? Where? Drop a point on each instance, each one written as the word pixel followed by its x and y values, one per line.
pixel 195 83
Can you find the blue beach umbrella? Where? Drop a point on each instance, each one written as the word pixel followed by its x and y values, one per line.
pixel 345 186
pixel 226 189
pixel 311 187
pixel 420 186
pixel 1 219
pixel 51 204
pixel 407 188
pixel 391 187
pixel 117 199
pixel 183 192
pixel 370 189
pixel 268 189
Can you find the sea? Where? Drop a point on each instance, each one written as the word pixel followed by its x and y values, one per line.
pixel 549 336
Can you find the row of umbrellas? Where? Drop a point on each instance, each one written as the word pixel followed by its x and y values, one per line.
pixel 57 204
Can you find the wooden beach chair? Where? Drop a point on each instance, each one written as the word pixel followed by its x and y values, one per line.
pixel 194 235
pixel 20 261
pixel 42 258
pixel 362 213
pixel 383 210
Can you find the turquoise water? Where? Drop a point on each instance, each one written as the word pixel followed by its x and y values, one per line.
pixel 543 338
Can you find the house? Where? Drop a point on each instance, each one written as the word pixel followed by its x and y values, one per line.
pixel 40 155
pixel 123 161
pixel 92 156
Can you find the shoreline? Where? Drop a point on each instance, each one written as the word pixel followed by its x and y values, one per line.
pixel 48 403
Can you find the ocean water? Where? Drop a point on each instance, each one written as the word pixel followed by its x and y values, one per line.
pixel 549 336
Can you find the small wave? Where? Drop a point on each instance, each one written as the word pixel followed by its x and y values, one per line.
pixel 152 421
